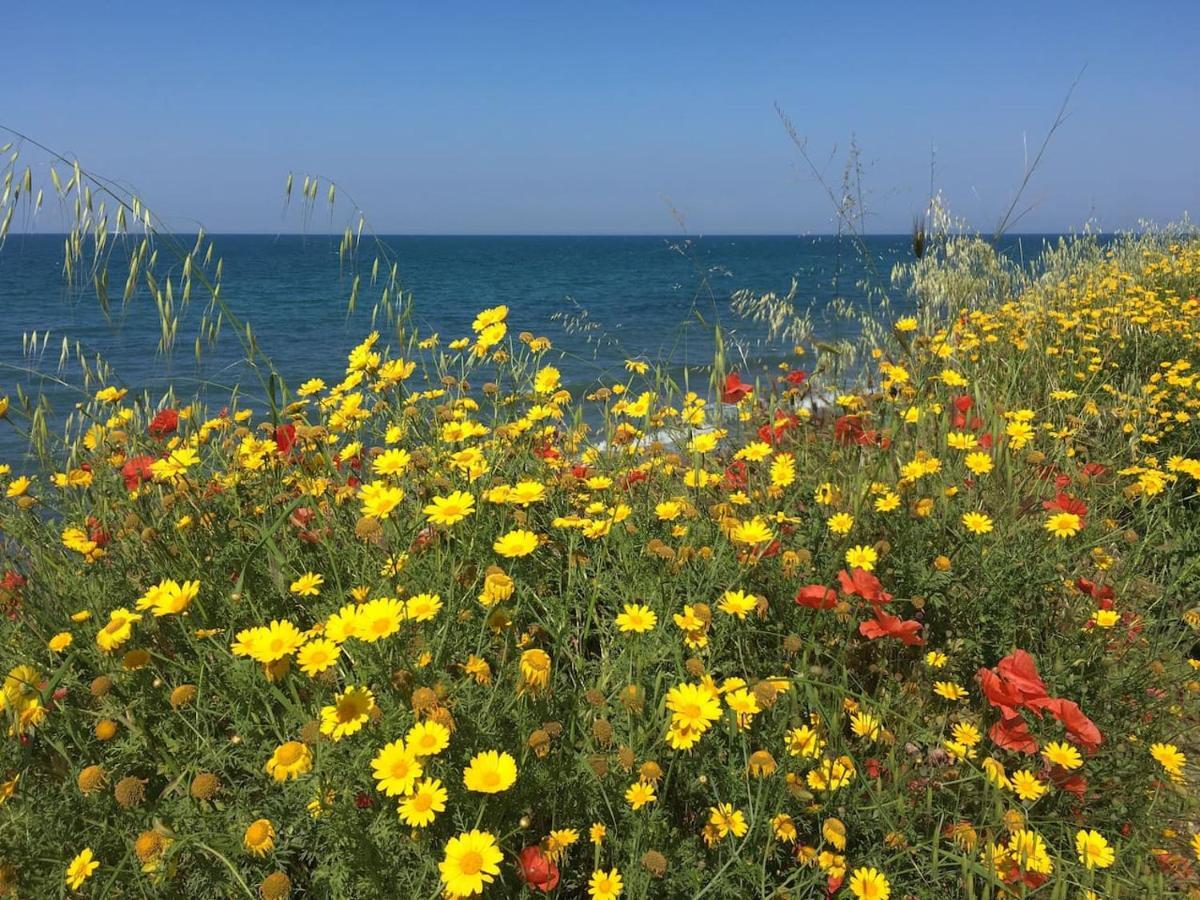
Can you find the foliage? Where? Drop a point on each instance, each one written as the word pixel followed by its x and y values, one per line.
pixel 916 640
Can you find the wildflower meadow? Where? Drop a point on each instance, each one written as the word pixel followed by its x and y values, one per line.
pixel 924 626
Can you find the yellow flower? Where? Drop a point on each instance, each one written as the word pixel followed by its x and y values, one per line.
pixel 307 585
pixel 726 820
pixel 949 690
pixel 754 532
pixel 259 838
pixel 117 631
pixel 535 669
pixel 497 587
pixel 737 603
pixel 833 830
pixel 804 741
pixel 421 807
pixel 693 706
pixel 317 655
pixel 396 769
pixel 869 884
pixel 348 714
pixel 640 794
pixel 427 738
pixel 175 466
pixel 379 499
pixel 60 641
pixel 391 462
pixel 783 470
pixel 516 543
pixel 557 842
pixel 596 833
pixel 784 827
pixel 450 509
pixel 490 772
pixel 1026 785
pixel 1170 758
pixel 668 510
pixel 865 725
pixel 1064 524
pixel 169 597
pixel 840 523
pixel 887 501
pixel 379 618
pixel 605 885
pixel 422 607
pixel 18 486
pixel 547 380
pixel 935 659
pixel 290 760
pixel 637 618
pixel 979 463
pixel 862 557
pixel 1062 754
pixel 1093 850
pixel 81 868
pixel 966 734
pixel 279 639
pixel 977 522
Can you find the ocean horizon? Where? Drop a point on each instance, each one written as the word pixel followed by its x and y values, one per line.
pixel 600 299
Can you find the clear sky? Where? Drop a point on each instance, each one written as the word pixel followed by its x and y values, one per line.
pixel 568 117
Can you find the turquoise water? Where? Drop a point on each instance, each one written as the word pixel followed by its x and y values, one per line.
pixel 649 297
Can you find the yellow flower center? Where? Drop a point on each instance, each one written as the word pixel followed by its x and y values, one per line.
pixel 470 862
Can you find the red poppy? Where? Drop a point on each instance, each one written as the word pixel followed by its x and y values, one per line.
pixel 735 389
pixel 579 471
pixel 1073 784
pixel 164 423
pixel 816 596
pixel 1066 503
pixel 795 377
pixel 849 430
pixel 1094 470
pixel 1015 684
pixel 545 451
pixel 96 533
pixel 886 625
pixel 862 583
pixel 1019 669
pixel 633 478
pixel 736 475
pixel 1097 593
pixel 12 581
pixel 772 434
pixel 962 406
pixel 285 439
pixel 136 470
pixel 537 869
pixel 1011 733
pixel 1080 728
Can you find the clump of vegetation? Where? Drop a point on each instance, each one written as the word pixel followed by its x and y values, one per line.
pixel 425 630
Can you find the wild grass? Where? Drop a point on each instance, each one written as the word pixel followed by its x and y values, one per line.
pixel 913 643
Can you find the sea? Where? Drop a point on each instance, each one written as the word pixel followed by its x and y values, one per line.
pixel 600 300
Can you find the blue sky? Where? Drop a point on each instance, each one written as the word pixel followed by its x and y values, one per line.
pixel 586 118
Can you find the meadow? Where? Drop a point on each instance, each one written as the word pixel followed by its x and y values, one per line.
pixel 922 627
